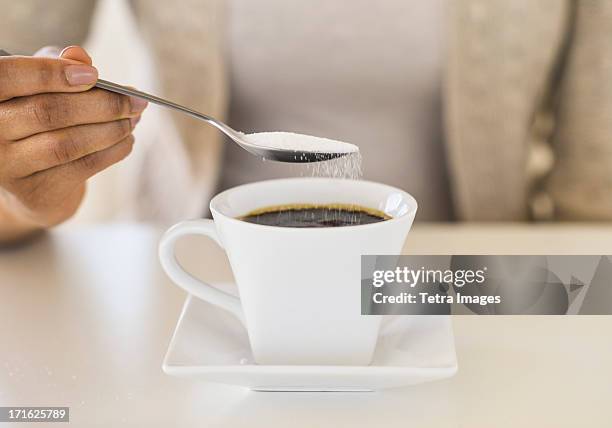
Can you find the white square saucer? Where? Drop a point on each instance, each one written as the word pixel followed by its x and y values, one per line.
pixel 211 345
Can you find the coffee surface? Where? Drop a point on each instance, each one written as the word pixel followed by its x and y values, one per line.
pixel 310 215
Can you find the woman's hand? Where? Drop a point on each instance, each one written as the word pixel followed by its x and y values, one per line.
pixel 55 133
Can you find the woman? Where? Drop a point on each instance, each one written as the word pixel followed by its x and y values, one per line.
pixel 461 103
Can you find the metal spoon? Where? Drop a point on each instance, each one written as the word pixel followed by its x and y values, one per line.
pixel 268 153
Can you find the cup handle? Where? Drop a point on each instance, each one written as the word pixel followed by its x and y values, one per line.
pixel 185 280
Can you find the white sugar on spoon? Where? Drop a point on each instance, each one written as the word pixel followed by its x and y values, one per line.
pixel 345 164
pixel 299 143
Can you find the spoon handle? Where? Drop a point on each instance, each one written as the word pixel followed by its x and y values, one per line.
pixel 124 90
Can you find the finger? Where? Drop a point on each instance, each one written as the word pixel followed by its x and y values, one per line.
pixel 49 149
pixel 48 52
pixel 76 53
pixel 23 75
pixel 87 166
pixel 23 117
pixel 71 174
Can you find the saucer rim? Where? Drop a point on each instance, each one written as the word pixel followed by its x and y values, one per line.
pixel 175 369
pixel 431 372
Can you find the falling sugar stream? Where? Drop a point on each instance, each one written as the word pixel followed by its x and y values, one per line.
pixel 347 166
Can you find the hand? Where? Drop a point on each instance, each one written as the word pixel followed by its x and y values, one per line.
pixel 55 133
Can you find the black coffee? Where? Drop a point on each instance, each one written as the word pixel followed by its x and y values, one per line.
pixel 308 215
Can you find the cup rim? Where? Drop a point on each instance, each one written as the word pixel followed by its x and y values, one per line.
pixel 413 205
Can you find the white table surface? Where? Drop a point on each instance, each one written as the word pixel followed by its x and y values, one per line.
pixel 86 315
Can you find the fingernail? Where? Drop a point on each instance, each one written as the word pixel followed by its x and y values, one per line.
pixel 67 48
pixel 81 74
pixel 134 121
pixel 138 104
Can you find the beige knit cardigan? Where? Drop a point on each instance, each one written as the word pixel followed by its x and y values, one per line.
pixel 528 99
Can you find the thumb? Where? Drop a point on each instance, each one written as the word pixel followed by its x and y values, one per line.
pixel 76 53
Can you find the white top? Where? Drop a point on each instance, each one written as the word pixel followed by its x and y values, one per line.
pixel 362 72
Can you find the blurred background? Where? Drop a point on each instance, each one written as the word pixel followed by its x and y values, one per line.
pixel 483 110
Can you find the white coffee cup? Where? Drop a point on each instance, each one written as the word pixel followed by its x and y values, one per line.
pixel 300 288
